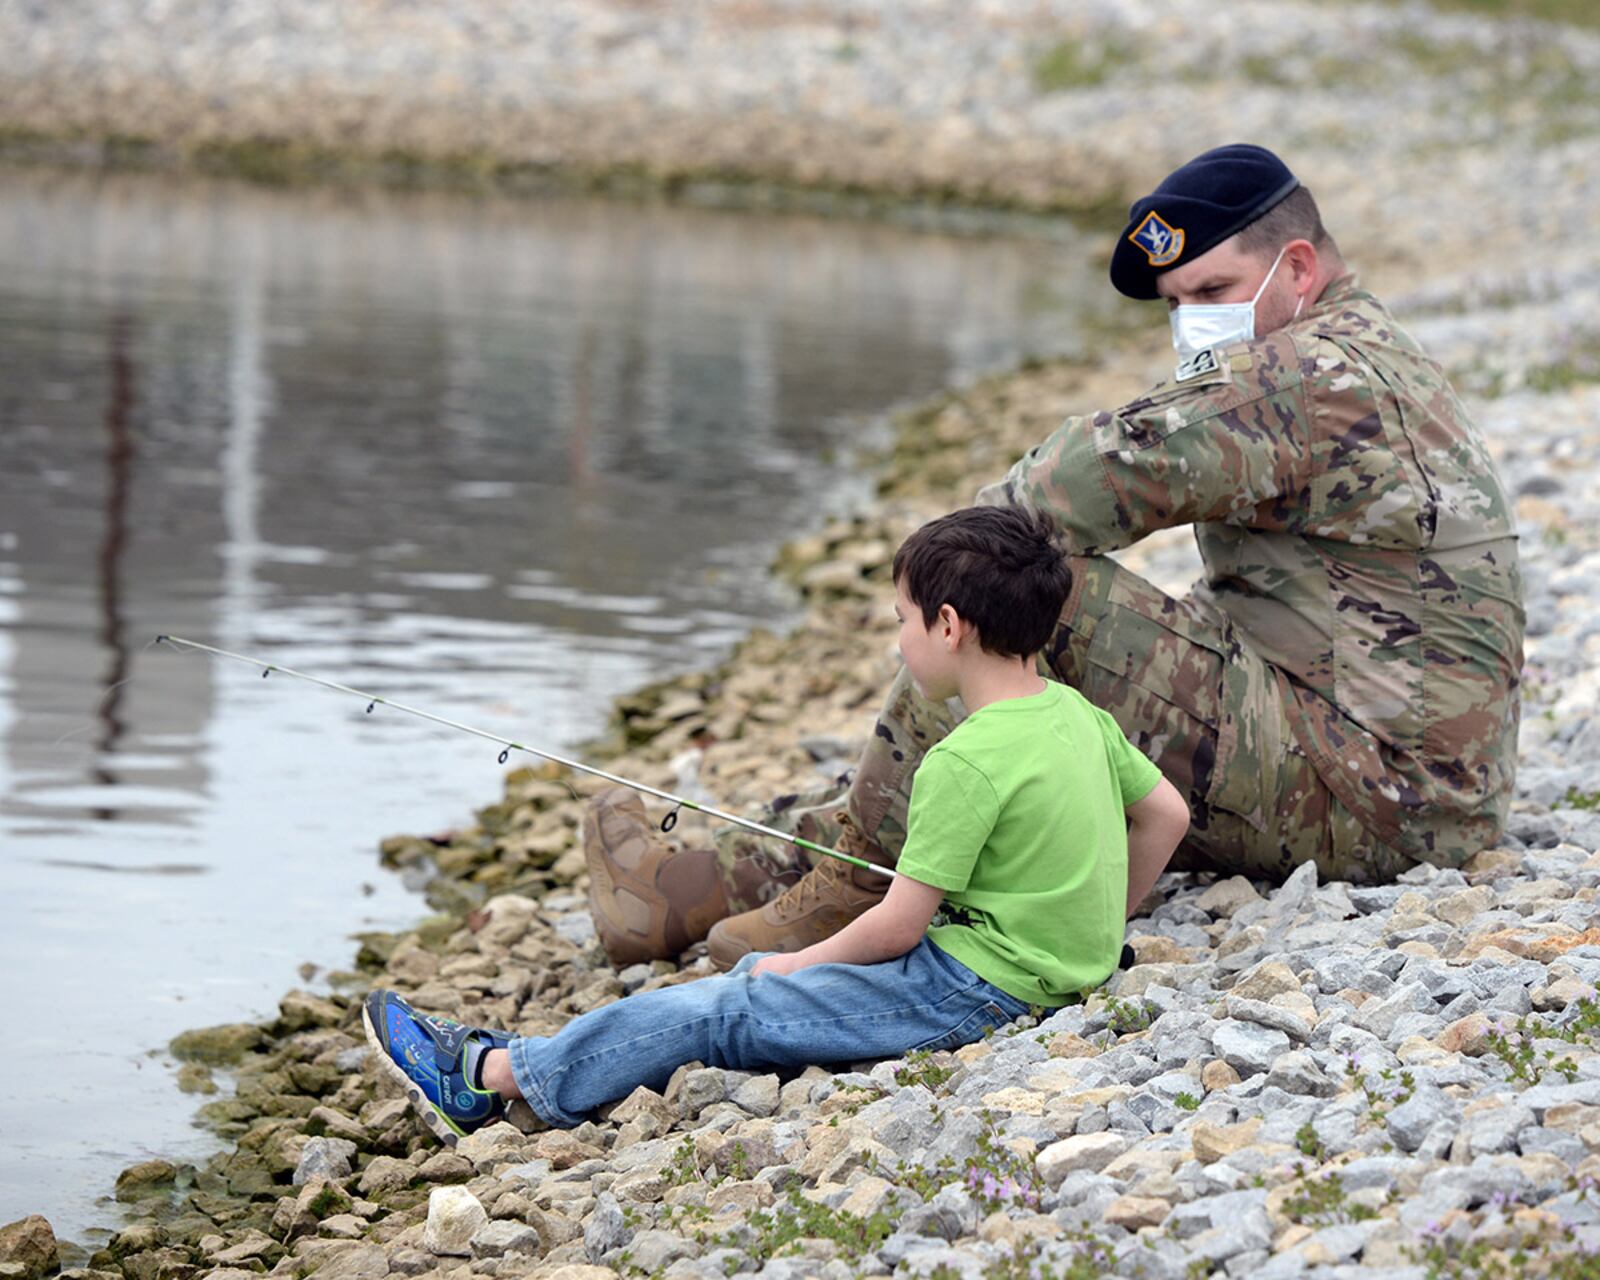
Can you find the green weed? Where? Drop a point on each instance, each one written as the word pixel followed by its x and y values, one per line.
pixel 684 1167
pixel 1526 1062
pixel 921 1068
pixel 1077 64
pixel 776 1231
pixel 1383 1094
pixel 1129 1016
pixel 1322 1202
pixel 1306 1140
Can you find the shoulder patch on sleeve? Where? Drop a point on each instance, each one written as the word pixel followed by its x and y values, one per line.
pixel 1196 366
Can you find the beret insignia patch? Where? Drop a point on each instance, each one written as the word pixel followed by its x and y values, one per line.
pixel 1162 243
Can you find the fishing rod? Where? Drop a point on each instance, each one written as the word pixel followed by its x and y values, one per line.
pixel 508 746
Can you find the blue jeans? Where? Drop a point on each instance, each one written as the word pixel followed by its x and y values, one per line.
pixel 825 1014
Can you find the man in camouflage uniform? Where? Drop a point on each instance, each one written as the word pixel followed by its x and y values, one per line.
pixel 1342 685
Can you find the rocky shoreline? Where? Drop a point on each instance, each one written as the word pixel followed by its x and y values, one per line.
pixel 1295 1079
pixel 1305 1079
pixel 1051 104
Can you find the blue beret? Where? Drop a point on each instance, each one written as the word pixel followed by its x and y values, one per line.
pixel 1196 208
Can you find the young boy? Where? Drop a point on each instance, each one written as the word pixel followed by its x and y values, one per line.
pixel 1036 825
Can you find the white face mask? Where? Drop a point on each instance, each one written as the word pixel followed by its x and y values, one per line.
pixel 1201 326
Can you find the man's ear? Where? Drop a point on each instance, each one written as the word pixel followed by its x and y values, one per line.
pixel 1301 255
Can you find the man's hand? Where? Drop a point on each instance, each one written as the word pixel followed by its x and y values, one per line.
pixel 780 963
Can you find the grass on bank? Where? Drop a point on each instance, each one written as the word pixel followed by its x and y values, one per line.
pixel 1577 13
pixel 1078 64
pixel 285 162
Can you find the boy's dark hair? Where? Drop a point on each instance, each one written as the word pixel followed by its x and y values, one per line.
pixel 999 568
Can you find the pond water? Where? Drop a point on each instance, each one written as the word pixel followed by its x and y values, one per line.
pixel 502 459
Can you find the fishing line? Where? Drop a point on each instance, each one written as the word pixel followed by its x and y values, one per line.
pixel 100 707
pixel 509 745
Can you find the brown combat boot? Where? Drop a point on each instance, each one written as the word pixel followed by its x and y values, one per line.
pixel 828 897
pixel 649 902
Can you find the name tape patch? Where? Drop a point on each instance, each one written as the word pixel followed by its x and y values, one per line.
pixel 1196 366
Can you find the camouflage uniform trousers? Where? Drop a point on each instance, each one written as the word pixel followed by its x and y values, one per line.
pixel 1186 690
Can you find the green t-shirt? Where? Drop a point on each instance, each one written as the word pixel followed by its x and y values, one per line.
pixel 1018 816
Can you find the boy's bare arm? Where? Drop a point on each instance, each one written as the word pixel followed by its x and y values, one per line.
pixel 885 931
pixel 1155 826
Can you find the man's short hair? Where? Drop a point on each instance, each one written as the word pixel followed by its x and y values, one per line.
pixel 999 568
pixel 1295 217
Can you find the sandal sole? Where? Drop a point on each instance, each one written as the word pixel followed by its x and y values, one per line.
pixel 425 1110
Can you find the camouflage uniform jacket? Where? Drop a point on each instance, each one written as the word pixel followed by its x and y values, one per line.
pixel 1354 532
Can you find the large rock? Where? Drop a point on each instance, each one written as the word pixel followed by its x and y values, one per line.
pixel 739 1197
pixel 644 1103
pixel 484 1147
pixel 500 1239
pixel 29 1244
pixel 607 1228
pixel 700 1088
pixel 1541 1098
pixel 218 1046
pixel 1380 1017
pixel 1268 1015
pixel 332 1123
pixel 385 1175
pixel 1211 1142
pixel 1412 1121
pixel 256 1246
pixel 1227 896
pixel 1495 1131
pixel 324 1158
pixel 904 1121
pixel 1299 1073
pixel 1461 908
pixel 143 1178
pixel 356 1262
pixel 1269 978
pixel 578 1271
pixel 655 1251
pixel 301 1011
pixel 445 1166
pixel 1468 1035
pixel 1133 1212
pixel 563 1150
pixel 758 1095
pixel 1068 1045
pixel 1291 897
pixel 454 1217
pixel 1092 1151
pixel 1247 1047
pixel 1210 1212
pixel 1249 1234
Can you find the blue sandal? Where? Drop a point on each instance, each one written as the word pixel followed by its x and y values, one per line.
pixel 427 1056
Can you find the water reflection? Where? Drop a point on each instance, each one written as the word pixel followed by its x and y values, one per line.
pixel 119 464
pixel 503 460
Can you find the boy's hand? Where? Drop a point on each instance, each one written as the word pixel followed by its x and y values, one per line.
pixel 780 963
pixel 1155 826
pixel 882 932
